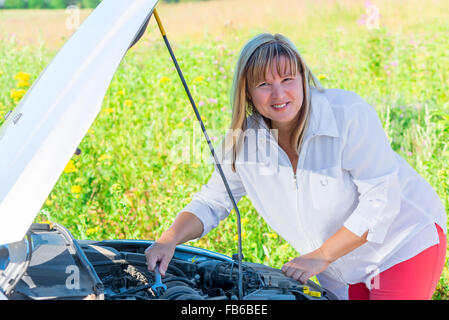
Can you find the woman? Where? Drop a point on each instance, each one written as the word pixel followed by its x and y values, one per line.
pixel 324 178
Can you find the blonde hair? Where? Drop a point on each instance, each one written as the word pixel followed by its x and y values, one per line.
pixel 256 58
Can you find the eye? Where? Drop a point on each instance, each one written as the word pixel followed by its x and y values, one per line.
pixel 287 79
pixel 262 84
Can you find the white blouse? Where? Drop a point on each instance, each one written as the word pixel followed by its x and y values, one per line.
pixel 347 175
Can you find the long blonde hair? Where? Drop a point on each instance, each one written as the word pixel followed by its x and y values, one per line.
pixel 256 58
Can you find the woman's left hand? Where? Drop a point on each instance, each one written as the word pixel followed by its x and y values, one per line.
pixel 303 267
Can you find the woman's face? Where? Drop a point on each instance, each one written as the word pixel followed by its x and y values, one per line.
pixel 279 97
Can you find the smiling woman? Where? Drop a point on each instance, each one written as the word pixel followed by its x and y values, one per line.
pixel 353 209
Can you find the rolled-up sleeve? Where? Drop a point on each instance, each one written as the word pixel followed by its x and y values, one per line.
pixel 212 203
pixel 372 164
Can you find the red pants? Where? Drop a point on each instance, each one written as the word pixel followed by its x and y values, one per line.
pixel 413 279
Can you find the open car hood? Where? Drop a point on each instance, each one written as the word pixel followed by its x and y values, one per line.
pixel 42 133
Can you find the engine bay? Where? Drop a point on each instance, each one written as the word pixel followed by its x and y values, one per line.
pixel 61 267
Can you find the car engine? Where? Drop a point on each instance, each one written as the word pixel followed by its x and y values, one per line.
pixel 62 268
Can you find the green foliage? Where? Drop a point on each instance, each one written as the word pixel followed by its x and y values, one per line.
pixel 130 179
pixel 90 3
pixel 36 4
pixel 56 4
pixel 15 4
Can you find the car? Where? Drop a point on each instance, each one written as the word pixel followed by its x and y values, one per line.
pixel 43 260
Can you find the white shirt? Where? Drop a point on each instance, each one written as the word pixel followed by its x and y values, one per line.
pixel 347 175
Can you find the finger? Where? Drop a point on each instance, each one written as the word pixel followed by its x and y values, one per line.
pixel 297 274
pixel 163 266
pixel 151 262
pixel 290 271
pixel 304 277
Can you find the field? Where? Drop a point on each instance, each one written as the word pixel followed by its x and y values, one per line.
pixel 132 176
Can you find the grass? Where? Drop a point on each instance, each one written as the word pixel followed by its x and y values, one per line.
pixel 132 176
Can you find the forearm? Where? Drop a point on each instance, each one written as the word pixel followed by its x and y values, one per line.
pixel 186 227
pixel 341 243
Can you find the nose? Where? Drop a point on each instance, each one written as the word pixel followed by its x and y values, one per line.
pixel 277 91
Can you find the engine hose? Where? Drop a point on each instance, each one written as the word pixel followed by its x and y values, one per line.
pixel 185 280
pixel 174 292
pixel 176 270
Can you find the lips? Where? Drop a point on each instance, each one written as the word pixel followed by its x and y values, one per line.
pixel 281 106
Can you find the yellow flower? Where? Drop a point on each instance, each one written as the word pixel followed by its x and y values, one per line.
pixel 1 72
pixel 109 110
pixel 76 189
pixel 23 84
pixel 22 76
pixel 92 230
pixel 121 92
pixel 245 220
pixel 322 76
pixel 273 235
pixel 104 157
pixel 236 237
pixel 48 202
pixel 285 246
pixel 70 167
pixel 128 103
pixel 116 189
pixel 164 79
pixel 17 94
pixel 198 79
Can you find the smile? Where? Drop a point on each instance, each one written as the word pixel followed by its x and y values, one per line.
pixel 280 106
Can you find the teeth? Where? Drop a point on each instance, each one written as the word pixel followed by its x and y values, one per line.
pixel 279 106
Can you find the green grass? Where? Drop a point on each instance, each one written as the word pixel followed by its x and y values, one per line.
pixel 130 177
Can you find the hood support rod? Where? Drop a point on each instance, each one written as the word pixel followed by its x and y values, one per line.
pixel 209 143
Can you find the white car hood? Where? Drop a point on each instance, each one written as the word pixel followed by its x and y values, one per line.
pixel 42 133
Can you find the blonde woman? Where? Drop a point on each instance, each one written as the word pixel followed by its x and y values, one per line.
pixel 318 167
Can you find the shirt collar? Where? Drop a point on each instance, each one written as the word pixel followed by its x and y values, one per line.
pixel 322 120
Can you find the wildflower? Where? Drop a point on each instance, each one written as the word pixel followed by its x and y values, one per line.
pixel 198 79
pixel 245 220
pixel 184 119
pixel 201 103
pixel 322 76
pixel 164 79
pixel 121 92
pixel 236 237
pixel 92 230
pixel 22 76
pixel 212 100
pixel 116 189
pixel 75 189
pixel 17 94
pixel 70 167
pixel 1 73
pixel 284 246
pixel 104 157
pixel 371 18
pixel 48 202
pixel 128 103
pixel 409 153
pixel 23 84
pixel 109 110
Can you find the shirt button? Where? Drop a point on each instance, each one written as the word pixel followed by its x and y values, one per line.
pixel 324 182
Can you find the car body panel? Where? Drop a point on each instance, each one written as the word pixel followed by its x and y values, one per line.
pixel 40 136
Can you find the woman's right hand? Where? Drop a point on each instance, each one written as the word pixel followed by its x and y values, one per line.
pixel 159 252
